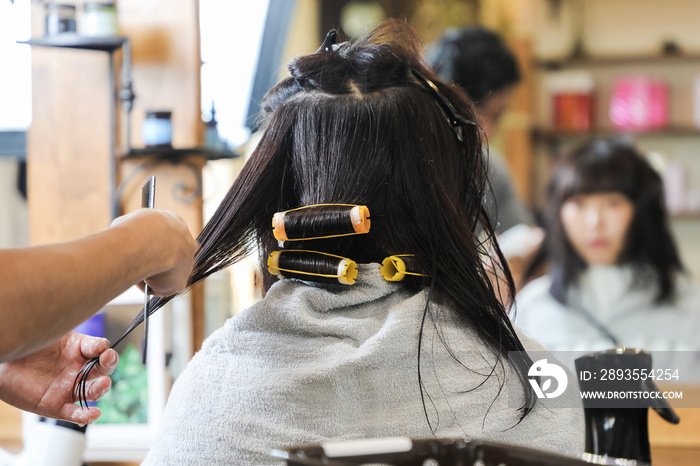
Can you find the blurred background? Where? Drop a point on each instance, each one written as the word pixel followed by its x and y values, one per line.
pixel 96 97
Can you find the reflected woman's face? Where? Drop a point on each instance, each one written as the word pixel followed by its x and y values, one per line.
pixel 597 225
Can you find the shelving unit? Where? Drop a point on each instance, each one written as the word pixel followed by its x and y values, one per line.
pixel 126 94
pixel 670 132
pixel 140 160
pixel 172 153
pixel 615 60
pixel 74 41
pixel 677 68
pixel 131 441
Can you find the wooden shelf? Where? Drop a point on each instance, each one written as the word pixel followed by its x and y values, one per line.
pixel 671 131
pixel 615 60
pixel 686 216
pixel 177 153
pixel 75 41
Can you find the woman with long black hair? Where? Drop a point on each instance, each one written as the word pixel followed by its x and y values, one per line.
pixel 363 124
pixel 615 277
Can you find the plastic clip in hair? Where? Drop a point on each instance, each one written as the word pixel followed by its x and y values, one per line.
pixel 321 221
pixel 330 42
pixel 455 120
pixel 398 267
pixel 312 266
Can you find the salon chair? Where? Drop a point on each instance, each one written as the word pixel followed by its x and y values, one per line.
pixel 401 451
pixel 619 428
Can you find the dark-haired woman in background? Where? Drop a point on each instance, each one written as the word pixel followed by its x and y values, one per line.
pixel 480 62
pixel 615 277
pixel 477 60
pixel 366 124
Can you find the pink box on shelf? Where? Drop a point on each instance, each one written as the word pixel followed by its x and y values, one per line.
pixel 639 103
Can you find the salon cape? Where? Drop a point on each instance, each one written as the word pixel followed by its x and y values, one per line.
pixel 311 363
pixel 624 304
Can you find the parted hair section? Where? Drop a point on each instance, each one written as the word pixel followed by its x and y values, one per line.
pixel 353 124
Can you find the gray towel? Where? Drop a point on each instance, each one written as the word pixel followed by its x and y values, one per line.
pixel 311 363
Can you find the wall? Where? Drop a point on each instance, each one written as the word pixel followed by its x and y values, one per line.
pixel 614 27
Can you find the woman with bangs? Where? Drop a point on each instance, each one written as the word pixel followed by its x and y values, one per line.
pixel 615 277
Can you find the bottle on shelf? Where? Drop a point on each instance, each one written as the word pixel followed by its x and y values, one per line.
pixel 157 129
pixel 59 19
pixel 571 96
pixel 639 103
pixel 99 19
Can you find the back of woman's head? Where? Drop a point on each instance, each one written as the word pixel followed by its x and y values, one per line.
pixel 476 59
pixel 359 127
pixel 361 124
pixel 611 166
pixel 369 123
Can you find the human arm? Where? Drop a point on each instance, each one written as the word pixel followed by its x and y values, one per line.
pixel 520 246
pixel 41 382
pixel 45 291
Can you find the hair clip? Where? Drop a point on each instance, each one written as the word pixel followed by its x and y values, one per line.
pixel 395 268
pixel 312 266
pixel 329 41
pixel 321 221
pixel 336 47
pixel 455 120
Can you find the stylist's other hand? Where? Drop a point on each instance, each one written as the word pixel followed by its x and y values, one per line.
pixel 42 382
pixel 168 246
pixel 519 245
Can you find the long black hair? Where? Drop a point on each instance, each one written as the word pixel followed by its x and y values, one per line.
pixel 370 123
pixel 611 165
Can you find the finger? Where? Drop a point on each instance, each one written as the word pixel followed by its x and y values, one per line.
pixel 98 388
pixel 92 347
pixel 74 413
pixel 108 362
pixel 167 284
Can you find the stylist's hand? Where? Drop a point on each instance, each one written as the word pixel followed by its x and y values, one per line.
pixel 519 245
pixel 42 382
pixel 169 246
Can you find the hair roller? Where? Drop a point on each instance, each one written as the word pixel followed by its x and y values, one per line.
pixel 321 221
pixel 312 266
pixel 401 266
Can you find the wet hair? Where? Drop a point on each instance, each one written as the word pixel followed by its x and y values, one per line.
pixel 358 124
pixel 475 59
pixel 611 165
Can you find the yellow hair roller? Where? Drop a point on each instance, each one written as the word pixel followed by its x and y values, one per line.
pixel 397 267
pixel 312 266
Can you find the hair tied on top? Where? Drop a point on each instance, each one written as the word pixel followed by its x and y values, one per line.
pixel 398 267
pixel 321 221
pixel 312 266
